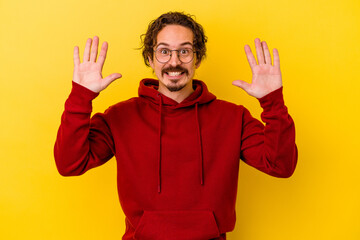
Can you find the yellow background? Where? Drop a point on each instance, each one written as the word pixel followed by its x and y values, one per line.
pixel 318 42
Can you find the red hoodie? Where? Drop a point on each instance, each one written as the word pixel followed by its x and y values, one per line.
pixel 177 163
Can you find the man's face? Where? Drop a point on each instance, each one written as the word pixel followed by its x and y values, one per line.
pixel 174 75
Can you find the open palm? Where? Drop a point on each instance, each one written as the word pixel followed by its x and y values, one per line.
pixel 266 77
pixel 89 72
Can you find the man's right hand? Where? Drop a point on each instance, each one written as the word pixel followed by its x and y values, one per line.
pixel 88 73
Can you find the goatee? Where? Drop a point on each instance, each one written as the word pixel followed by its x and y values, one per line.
pixel 175 88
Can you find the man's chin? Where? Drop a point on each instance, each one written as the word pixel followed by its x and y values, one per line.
pixel 174 88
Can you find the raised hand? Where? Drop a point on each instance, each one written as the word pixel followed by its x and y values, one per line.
pixel 266 76
pixel 88 73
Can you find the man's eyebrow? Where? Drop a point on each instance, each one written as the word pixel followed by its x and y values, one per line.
pixel 186 43
pixel 166 45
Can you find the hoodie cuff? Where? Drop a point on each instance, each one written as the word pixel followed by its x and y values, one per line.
pixel 80 99
pixel 273 101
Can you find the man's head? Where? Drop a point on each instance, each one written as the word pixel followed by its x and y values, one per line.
pixel 173 18
pixel 174 46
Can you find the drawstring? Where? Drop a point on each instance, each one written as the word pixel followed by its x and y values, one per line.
pixel 200 145
pixel 201 160
pixel 159 163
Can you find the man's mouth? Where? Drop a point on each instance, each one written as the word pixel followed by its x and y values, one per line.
pixel 175 73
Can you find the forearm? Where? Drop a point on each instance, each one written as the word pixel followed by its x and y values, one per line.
pixel 271 148
pixel 77 149
pixel 279 134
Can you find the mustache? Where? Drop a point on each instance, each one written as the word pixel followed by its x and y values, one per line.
pixel 174 69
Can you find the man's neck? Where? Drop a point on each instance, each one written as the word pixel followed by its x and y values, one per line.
pixel 177 96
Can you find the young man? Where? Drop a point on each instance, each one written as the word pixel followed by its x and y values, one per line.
pixel 177 147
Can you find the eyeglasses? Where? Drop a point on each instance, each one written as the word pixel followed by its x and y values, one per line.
pixel 185 55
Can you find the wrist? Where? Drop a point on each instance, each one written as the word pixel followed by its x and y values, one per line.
pixel 273 100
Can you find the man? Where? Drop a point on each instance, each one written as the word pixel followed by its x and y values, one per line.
pixel 177 147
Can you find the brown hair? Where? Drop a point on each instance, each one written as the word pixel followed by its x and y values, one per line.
pixel 173 18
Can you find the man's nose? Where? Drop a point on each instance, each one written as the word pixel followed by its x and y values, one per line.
pixel 174 59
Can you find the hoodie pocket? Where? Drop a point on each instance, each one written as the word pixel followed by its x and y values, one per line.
pixel 177 225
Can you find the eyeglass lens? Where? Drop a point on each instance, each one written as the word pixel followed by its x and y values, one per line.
pixel 185 55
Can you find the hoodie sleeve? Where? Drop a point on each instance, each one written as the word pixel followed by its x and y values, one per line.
pixel 82 143
pixel 270 148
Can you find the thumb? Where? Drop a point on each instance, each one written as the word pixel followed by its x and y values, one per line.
pixel 109 79
pixel 242 84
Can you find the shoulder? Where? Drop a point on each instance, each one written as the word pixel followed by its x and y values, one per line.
pixel 123 108
pixel 121 112
pixel 123 105
pixel 226 105
pixel 224 109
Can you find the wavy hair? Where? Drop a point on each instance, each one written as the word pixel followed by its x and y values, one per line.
pixel 173 18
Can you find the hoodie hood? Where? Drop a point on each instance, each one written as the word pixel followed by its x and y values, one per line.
pixel 148 89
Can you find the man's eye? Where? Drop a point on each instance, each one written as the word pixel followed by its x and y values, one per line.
pixel 164 51
pixel 184 51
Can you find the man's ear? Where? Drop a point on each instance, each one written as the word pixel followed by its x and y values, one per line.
pixel 151 62
pixel 197 64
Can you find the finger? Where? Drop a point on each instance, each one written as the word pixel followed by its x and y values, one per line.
pixel 266 53
pixel 87 50
pixel 109 79
pixel 242 84
pixel 76 56
pixel 259 51
pixel 102 55
pixel 276 58
pixel 250 56
pixel 94 49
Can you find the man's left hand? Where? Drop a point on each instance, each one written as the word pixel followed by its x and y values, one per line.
pixel 266 76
